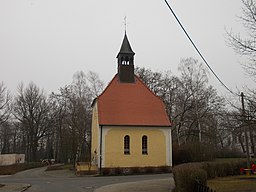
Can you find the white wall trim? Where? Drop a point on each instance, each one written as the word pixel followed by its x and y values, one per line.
pixel 105 131
pixel 168 140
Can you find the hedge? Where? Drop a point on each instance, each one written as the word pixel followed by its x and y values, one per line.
pixel 193 152
pixel 223 169
pixel 185 174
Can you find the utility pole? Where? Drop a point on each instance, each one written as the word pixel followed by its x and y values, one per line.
pixel 245 132
pixel 198 122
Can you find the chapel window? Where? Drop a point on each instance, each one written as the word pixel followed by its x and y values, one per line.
pixel 144 145
pixel 127 145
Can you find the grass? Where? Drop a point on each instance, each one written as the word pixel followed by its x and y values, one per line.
pixel 228 159
pixel 68 166
pixel 233 184
pixel 55 167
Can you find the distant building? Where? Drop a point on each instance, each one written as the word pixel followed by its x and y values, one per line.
pixel 237 142
pixel 130 126
pixel 11 159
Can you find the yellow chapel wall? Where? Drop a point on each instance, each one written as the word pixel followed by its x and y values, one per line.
pixel 113 147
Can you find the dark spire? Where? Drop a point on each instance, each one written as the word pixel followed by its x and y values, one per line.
pixel 126 47
pixel 125 60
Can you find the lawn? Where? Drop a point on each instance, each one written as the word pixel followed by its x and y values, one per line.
pixel 233 184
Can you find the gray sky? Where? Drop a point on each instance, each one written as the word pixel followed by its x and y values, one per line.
pixel 47 41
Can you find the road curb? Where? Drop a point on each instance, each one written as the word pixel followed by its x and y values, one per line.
pixel 26 187
pixel 17 187
pixel 160 185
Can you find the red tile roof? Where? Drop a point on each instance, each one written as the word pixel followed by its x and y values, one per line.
pixel 131 104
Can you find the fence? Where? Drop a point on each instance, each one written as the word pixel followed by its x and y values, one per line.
pixel 198 187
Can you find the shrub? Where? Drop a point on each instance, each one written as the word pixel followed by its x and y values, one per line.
pixel 181 155
pixel 186 174
pixel 222 169
pixel 150 170
pixel 202 152
pixel 163 169
pixel 135 170
pixel 192 152
pixel 105 171
pixel 229 153
pixel 118 171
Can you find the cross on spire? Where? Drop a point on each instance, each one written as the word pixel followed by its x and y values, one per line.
pixel 125 24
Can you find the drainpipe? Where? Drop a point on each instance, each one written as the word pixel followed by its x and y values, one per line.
pixel 101 149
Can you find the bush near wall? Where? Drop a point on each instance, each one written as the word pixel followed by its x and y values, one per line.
pixel 185 174
pixel 135 170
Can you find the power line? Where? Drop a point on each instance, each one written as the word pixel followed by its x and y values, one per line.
pixel 197 50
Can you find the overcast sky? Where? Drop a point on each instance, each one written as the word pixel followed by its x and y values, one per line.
pixel 47 41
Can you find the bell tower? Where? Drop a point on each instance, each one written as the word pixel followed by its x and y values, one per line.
pixel 125 61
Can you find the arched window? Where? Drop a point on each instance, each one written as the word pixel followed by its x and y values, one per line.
pixel 144 145
pixel 127 144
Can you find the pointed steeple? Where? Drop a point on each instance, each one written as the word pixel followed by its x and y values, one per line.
pixel 125 60
pixel 126 47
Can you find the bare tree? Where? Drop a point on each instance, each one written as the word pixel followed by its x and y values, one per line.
pixel 59 110
pixel 250 121
pixel 246 45
pixel 5 111
pixel 192 105
pixel 31 109
pixel 96 85
pixel 154 80
pixel 5 133
pixel 5 103
pixel 72 112
pixel 196 103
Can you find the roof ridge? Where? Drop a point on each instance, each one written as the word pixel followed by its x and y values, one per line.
pixel 148 88
pixel 112 80
pixel 96 98
pixel 159 98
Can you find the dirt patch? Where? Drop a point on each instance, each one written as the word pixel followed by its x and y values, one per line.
pixel 55 167
pixel 12 169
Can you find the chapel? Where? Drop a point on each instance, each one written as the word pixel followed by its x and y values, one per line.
pixel 130 126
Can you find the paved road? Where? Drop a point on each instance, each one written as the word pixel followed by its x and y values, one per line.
pixel 65 181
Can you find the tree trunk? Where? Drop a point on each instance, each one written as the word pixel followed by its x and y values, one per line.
pixel 34 150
